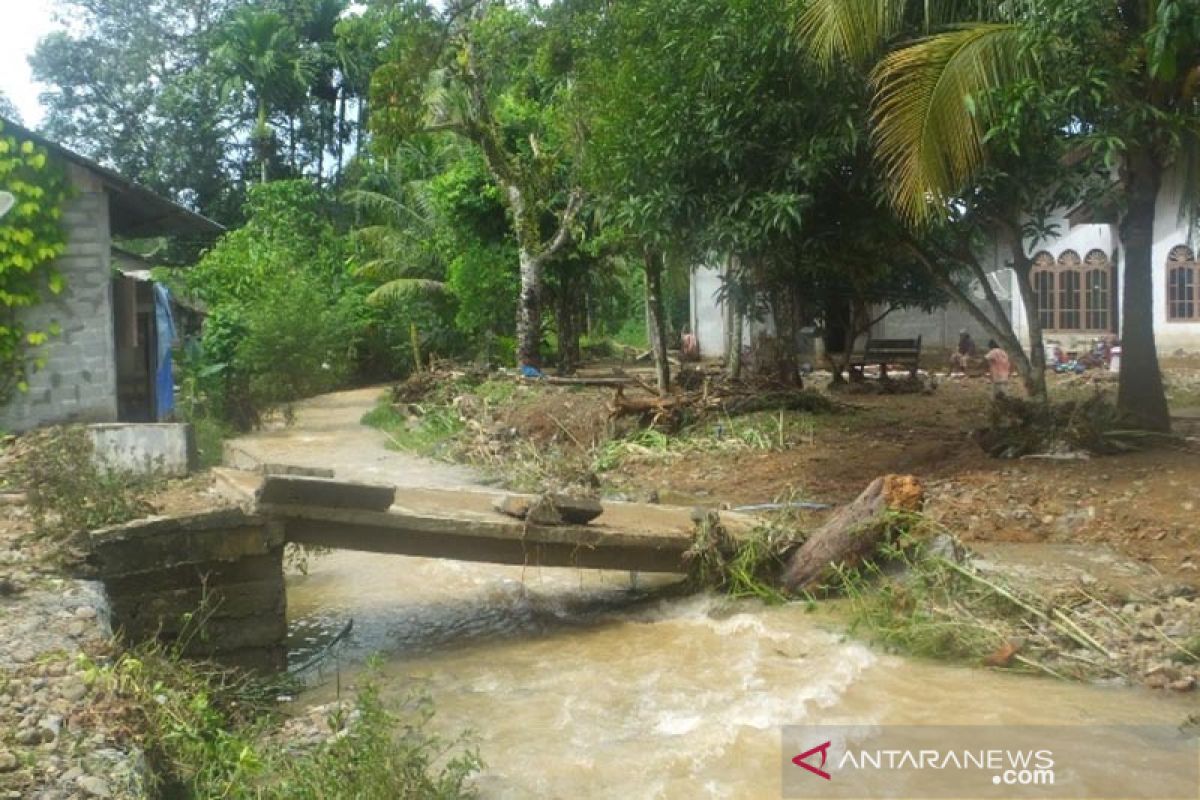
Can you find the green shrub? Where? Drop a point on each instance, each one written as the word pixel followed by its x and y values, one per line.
pixel 206 734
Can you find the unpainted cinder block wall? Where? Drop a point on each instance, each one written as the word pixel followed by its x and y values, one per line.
pixel 78 382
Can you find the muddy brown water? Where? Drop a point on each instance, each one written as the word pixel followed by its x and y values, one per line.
pixel 577 685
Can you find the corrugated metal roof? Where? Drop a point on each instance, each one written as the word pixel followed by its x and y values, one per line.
pixel 135 212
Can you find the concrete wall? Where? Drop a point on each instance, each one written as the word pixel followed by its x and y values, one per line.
pixel 1169 231
pixel 79 379
pixel 145 448
pixel 708 315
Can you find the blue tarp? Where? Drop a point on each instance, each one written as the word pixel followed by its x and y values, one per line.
pixel 164 380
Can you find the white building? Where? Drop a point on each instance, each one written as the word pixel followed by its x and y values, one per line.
pixel 1077 279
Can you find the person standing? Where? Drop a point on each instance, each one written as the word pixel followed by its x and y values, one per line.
pixel 999 368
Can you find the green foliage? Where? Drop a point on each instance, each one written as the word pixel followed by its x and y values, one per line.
pixel 286 318
pixel 919 614
pixel 748 567
pixel 206 734
pixel 427 429
pixel 68 493
pixel 31 237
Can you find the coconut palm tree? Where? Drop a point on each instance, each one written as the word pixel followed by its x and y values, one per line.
pixel 1123 74
pixel 397 248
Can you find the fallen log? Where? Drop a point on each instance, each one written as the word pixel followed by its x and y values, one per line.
pixel 853 533
pixel 606 380
pixel 653 408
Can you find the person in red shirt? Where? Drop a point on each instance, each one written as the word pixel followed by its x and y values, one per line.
pixel 999 368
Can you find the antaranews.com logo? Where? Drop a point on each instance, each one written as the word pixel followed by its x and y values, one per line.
pixel 990 762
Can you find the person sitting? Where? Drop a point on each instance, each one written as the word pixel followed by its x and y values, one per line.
pixel 960 360
pixel 999 368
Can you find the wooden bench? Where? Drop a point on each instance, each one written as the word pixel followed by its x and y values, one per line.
pixel 902 352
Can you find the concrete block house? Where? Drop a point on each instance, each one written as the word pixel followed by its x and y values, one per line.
pixel 105 364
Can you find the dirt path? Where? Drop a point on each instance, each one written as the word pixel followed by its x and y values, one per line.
pixel 327 432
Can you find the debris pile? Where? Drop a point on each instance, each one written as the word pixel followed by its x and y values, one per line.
pixel 1018 427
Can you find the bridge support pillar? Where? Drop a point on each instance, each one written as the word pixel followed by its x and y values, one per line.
pixel 210 583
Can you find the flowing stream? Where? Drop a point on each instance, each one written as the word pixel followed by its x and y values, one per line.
pixel 577 685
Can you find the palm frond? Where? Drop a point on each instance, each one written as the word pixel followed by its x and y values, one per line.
pixel 853 30
pixel 934 102
pixel 404 288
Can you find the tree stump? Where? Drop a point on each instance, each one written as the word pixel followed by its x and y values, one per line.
pixel 854 532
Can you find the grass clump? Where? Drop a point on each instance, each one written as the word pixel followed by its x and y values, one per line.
pixel 68 493
pixel 924 605
pixel 425 428
pixel 207 733
pixel 757 432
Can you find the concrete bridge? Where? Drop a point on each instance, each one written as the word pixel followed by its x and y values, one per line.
pixel 214 583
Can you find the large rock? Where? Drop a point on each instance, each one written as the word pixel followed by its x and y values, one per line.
pixel 550 509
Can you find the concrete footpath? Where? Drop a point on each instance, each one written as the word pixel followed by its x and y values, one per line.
pixel 327 432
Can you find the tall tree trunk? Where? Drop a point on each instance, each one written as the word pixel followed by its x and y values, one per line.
pixel 1034 372
pixel 262 134
pixel 341 131
pixel 364 113
pixel 656 315
pixel 567 322
pixel 733 323
pixel 529 310
pixel 1140 393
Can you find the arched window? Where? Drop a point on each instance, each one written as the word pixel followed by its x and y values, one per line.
pixel 1043 289
pixel 1182 302
pixel 1097 291
pixel 1070 280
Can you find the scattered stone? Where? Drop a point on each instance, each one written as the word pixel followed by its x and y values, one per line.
pixel 512 505
pixel 51 726
pixel 8 761
pixel 1184 684
pixel 543 512
pixel 29 736
pixel 85 612
pixel 93 786
pixel 553 509
pixel 74 690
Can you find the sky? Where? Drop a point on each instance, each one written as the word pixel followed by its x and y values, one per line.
pixel 22 23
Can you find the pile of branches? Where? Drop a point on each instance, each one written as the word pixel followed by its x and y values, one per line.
pixel 1018 427
pixel 439 383
pixel 671 411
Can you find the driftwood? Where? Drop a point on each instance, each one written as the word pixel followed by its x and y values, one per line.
pixel 607 380
pixel 652 405
pixel 854 532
